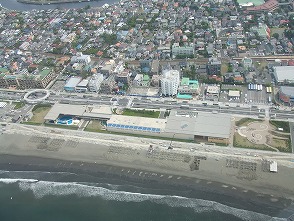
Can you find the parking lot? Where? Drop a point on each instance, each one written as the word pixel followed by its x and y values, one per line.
pixel 224 93
pixel 58 86
pixel 257 97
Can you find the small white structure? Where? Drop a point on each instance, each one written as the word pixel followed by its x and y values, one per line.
pixel 234 94
pixel 274 167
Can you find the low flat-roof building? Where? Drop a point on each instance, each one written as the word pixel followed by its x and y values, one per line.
pixel 80 111
pixel 199 126
pixel 286 94
pixel 234 94
pixel 284 74
pixel 136 125
pixel 72 83
pixel 82 86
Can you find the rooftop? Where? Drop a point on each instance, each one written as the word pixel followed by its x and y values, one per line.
pixel 199 123
pixel 73 82
pixel 283 73
pixel 44 73
pixel 65 109
pixel 137 121
pixel 287 90
pixel 91 111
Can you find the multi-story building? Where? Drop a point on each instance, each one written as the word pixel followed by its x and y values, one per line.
pixel 188 86
pixel 182 50
pixel 108 85
pixel 123 77
pixel 214 66
pixel 95 82
pixel 170 82
pixel 81 58
pixel 26 81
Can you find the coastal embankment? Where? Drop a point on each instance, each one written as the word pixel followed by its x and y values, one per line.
pixel 48 2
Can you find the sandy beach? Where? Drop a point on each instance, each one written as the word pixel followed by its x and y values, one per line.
pixel 26 146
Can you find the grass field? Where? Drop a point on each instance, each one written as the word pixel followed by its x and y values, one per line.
pixel 283 145
pixel 281 124
pixel 243 142
pixel 38 114
pixel 70 127
pixel 94 126
pixel 141 113
pixel 18 105
pixel 245 121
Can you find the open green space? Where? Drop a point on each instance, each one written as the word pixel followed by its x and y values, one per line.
pixel 39 112
pixel 243 142
pixel 18 105
pixel 283 145
pixel 245 121
pixel 94 126
pixel 70 127
pixel 141 113
pixel 281 124
pixel 279 31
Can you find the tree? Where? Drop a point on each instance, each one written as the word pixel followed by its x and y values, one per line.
pixel 276 35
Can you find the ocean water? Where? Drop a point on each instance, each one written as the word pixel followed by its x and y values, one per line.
pixel 15 5
pixel 31 195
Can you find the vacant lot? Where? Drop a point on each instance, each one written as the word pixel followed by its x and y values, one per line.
pixel 94 126
pixel 39 112
pixel 141 113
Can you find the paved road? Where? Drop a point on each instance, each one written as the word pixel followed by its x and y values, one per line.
pixel 292 135
pixel 166 103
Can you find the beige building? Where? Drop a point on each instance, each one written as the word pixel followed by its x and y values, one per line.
pixel 26 81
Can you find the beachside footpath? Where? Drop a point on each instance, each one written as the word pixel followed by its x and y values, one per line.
pixel 185 163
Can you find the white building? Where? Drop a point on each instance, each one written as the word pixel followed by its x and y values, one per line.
pixel 284 74
pixel 138 80
pixel 170 82
pixel 81 58
pixel 95 82
pixel 182 50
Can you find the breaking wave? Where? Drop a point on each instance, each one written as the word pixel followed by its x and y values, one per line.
pixel 41 189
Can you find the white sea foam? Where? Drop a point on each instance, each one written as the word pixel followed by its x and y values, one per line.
pixel 45 188
pixel 9 180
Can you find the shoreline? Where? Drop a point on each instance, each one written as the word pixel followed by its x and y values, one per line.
pixel 128 158
pixel 35 2
pixel 186 187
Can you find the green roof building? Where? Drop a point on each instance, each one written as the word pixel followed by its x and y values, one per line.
pixel 188 87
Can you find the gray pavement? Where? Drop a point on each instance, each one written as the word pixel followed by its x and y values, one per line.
pixel 292 135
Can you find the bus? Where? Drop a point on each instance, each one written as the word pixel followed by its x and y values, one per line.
pixel 249 86
pixel 259 87
pixel 268 89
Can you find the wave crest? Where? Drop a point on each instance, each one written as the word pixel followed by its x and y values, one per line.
pixel 45 188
